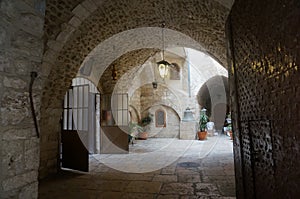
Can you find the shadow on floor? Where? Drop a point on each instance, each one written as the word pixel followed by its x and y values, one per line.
pixel 205 170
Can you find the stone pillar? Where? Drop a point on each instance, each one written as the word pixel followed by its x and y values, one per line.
pixel 21 48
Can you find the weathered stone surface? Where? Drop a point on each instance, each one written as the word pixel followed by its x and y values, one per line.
pixel 111 185
pixel 65 34
pixel 168 197
pixel 138 196
pixel 14 83
pixel 13 161
pixel 182 177
pixel 29 191
pixel 3 62
pixel 188 130
pixel 206 189
pixel 3 36
pixel 8 8
pixel 168 170
pixel 81 12
pixel 144 187
pixel 32 24
pixel 14 107
pixel 75 22
pixel 20 181
pixel 21 27
pixel 32 154
pixel 178 188
pixel 165 178
pixel 89 5
pixel 109 182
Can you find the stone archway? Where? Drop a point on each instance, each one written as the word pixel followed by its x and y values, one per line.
pixel 134 114
pixel 214 96
pixel 75 29
pixel 271 62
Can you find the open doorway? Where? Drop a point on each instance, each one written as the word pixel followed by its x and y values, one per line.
pixel 80 135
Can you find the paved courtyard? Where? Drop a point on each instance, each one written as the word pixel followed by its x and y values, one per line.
pixel 154 168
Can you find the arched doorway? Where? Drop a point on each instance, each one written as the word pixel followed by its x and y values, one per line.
pixel 214 96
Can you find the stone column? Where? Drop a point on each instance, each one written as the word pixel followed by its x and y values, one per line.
pixel 21 49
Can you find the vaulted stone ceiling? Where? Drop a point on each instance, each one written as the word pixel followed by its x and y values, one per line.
pixel 73 28
pixel 122 65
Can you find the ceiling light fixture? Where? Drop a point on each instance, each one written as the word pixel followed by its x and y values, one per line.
pixel 163 65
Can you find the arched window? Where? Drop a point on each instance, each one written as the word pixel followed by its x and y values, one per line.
pixel 174 72
pixel 160 118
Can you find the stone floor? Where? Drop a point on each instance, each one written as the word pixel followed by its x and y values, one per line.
pixel 154 168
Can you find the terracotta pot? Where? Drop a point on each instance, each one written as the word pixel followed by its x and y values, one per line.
pixel 202 135
pixel 143 135
pixel 231 136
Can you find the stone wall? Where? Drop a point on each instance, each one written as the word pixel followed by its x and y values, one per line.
pixel 171 130
pixel 49 141
pixel 173 95
pixel 265 57
pixel 21 48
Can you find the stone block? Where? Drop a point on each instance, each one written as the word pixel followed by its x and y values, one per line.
pixel 111 185
pixel 14 83
pixel 178 189
pixel 168 197
pixel 206 189
pixel 50 55
pixel 182 177
pixel 3 37
pixel 32 154
pixel 144 187
pixel 14 107
pixel 165 178
pixel 18 134
pixel 32 24
pixel 168 171
pixel 54 45
pixel 81 12
pixel 75 22
pixel 19 181
pixel 29 191
pixel 187 130
pixel 8 9
pixel 90 5
pixel 65 34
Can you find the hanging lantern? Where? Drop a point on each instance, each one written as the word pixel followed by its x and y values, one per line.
pixel 163 66
pixel 154 84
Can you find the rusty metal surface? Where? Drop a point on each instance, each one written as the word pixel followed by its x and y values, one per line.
pixel 264 79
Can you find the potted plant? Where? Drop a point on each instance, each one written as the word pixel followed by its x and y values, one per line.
pixel 144 122
pixel 134 130
pixel 229 126
pixel 202 133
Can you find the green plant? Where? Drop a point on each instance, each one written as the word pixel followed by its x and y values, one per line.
pixel 203 120
pixel 228 122
pixel 134 129
pixel 146 120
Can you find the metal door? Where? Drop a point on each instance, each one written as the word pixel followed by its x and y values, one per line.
pixel 75 132
pixel 114 125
